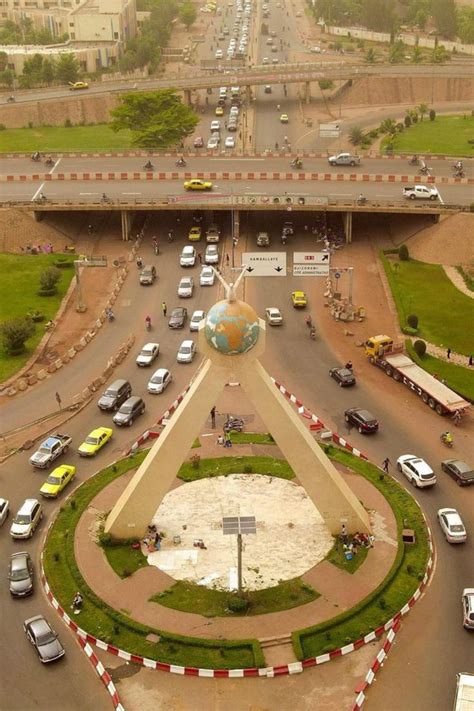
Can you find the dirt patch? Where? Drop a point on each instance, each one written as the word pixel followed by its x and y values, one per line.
pixel 374 91
pixel 19 229
pixel 449 242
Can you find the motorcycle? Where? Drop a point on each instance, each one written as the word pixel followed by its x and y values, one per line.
pixel 233 424
pixel 447 439
pixel 459 174
pixel 180 163
pixel 424 170
pixel 11 100
pixel 361 200
pixel 414 160
pixel 149 166
pixel 49 161
pixel 110 315
pixel 284 238
pixel 148 324
pixel 35 157
pixel 312 333
pixel 297 164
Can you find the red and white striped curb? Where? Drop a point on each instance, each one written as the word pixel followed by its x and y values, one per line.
pixel 304 412
pixel 104 675
pixel 268 672
pixel 377 663
pixel 235 175
pixel 236 156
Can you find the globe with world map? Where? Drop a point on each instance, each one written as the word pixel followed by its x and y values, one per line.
pixel 231 327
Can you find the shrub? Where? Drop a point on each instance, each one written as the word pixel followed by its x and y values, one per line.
pixel 412 320
pixel 403 253
pixel 409 331
pixel 14 333
pixel 419 347
pixel 195 461
pixel 248 469
pixel 48 281
pixel 67 123
pixel 35 315
pixel 432 115
pixel 3 127
pixel 237 604
pixel 407 121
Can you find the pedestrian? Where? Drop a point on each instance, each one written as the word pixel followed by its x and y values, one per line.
pixel 227 440
pixel 58 399
pixel 385 464
pixel 164 308
pixel 457 417
pixel 344 536
pixel 306 228
pixel 448 353
pixel 200 257
pixel 213 418
pixel 470 360
pixel 227 262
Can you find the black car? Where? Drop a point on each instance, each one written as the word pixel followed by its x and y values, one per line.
pixel 178 317
pixel 362 419
pixel 130 410
pixel 20 574
pixel 461 472
pixel 43 638
pixel 343 376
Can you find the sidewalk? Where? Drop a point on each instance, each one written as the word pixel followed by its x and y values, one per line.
pixel 339 590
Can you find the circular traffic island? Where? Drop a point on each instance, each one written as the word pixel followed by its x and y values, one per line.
pixel 145 595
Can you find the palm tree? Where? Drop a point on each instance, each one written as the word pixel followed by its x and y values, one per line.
pixel 389 126
pixel 371 56
pixel 422 110
pixel 396 52
pixel 417 55
pixel 356 135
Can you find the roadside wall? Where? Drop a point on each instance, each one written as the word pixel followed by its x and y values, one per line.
pixel 407 38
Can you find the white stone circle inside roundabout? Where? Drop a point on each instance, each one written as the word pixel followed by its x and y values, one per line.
pixel 291 536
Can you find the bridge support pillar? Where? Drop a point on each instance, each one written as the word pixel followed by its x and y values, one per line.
pixel 235 231
pixel 126 225
pixel 187 96
pixel 347 222
pixel 307 92
pixel 248 95
pixel 38 215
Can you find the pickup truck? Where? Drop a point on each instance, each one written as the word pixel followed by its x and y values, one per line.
pixel 49 450
pixel 420 192
pixel 344 159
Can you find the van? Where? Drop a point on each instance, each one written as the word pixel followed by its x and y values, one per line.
pixel 115 395
pixel 27 519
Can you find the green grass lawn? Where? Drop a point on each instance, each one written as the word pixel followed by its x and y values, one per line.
pixel 336 557
pixel 19 284
pixel 446 135
pixel 445 314
pixel 222 466
pixel 251 438
pixel 53 139
pixel 124 559
pixel 214 603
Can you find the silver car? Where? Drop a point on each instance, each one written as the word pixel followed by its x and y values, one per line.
pixel 43 638
pixel 212 254
pixel 186 352
pixel 186 287
pixel 207 276
pixel 196 319
pixel 20 574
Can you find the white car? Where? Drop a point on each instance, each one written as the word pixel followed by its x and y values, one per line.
pixel 185 287
pixel 416 470
pixel 452 525
pixel 148 354
pixel 159 381
pixel 211 255
pixel 234 110
pixel 188 256
pixel 468 608
pixel 213 142
pixel 4 510
pixel 274 316
pixel 229 142
pixel 215 126
pixel 186 352
pixel 196 319
pixel 207 276
pixel 218 54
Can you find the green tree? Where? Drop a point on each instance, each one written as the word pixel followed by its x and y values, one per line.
pixel 49 278
pixel 444 16
pixel 421 18
pixel 466 25
pixel 47 71
pixel 187 14
pixel 6 78
pixel 371 56
pixel 439 54
pixel 416 55
pixel 157 119
pixel 356 135
pixel 14 333
pixel 379 15
pixel 389 126
pixel 422 110
pixel 397 52
pixel 67 68
pixel 32 71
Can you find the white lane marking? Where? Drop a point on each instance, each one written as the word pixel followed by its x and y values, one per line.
pixel 55 166
pixel 131 193
pixel 247 160
pixel 440 198
pixel 341 195
pixel 37 192
pixel 88 193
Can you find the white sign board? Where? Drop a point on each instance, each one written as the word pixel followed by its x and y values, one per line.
pixel 264 263
pixel 311 263
pixel 330 130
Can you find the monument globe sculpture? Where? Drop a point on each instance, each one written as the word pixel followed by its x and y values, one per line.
pixel 232 338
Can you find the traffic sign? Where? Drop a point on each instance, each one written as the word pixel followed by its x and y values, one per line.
pixel 311 263
pixel 310 270
pixel 311 257
pixel 264 263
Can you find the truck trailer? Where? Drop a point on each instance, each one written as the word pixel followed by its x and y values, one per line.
pixel 464 699
pixel 388 356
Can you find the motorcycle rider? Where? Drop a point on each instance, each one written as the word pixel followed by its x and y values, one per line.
pixel 35 156
pixel 447 438
pixel 181 161
pixel 148 323
pixel 149 165
pixel 414 159
pixel 139 262
pixel 361 200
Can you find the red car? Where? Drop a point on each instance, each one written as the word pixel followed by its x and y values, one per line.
pixel 198 142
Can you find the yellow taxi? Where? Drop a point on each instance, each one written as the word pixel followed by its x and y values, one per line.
pixel 197 184
pixel 75 86
pixel 195 234
pixel 94 441
pixel 57 481
pixel 298 299
pixel 284 118
pixel 219 111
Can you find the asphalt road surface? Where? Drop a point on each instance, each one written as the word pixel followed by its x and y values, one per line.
pixel 435 623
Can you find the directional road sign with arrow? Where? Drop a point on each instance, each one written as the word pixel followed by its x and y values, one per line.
pixel 264 263
pixel 311 263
